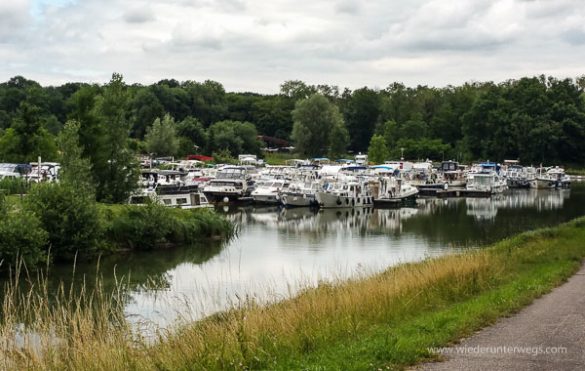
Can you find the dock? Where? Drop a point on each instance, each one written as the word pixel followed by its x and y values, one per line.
pixel 455 192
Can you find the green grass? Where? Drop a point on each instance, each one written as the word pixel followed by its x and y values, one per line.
pixel 576 171
pixel 388 320
pixel 279 158
pixel 12 186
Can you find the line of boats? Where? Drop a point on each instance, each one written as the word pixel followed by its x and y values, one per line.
pixel 189 184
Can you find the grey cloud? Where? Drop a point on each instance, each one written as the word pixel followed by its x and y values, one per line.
pixel 14 19
pixel 139 15
pixel 347 6
pixel 255 46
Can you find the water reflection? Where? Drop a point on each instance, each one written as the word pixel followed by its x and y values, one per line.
pixel 541 200
pixel 277 250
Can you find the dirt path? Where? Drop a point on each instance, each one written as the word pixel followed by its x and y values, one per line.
pixel 549 334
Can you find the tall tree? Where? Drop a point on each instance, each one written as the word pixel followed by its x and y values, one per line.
pixel 378 150
pixel 193 130
pixel 314 119
pixel 161 138
pixel 75 169
pixel 120 173
pixel 362 114
pixel 234 137
pixel 27 139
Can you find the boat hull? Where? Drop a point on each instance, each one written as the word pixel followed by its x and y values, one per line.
pixel 328 200
pixel 297 200
pixel 544 183
pixel 226 197
pixel 266 199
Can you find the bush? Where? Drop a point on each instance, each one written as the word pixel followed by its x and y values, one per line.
pixel 22 238
pixel 153 225
pixel 69 216
pixel 12 186
pixel 142 228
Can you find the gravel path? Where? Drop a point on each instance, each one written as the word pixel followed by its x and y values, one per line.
pixel 549 334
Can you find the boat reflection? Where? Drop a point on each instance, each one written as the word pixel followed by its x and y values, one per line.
pixel 483 209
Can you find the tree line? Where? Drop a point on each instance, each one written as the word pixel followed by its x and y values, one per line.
pixel 534 119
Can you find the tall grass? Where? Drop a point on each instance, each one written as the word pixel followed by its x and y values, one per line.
pixel 13 186
pixel 40 327
pixel 386 320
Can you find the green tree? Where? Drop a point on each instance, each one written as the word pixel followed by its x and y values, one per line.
pixel 161 138
pixel 22 239
pixel 233 136
pixel 75 169
pixel 92 136
pixel 27 139
pixel 145 108
pixel 208 101
pixel 193 129
pixel 120 174
pixel 338 140
pixel 314 119
pixel 362 113
pixel 378 149
pixel 67 210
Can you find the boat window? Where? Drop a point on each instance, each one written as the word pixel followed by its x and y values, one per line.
pixel 167 201
pixel 181 201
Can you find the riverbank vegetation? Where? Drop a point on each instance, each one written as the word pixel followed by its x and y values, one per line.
pixel 535 119
pixel 62 220
pixel 386 320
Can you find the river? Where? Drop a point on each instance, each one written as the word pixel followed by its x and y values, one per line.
pixel 278 251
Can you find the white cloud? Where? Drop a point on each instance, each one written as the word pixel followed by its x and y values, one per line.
pixel 256 45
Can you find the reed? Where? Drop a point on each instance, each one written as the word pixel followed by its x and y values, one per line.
pixel 382 321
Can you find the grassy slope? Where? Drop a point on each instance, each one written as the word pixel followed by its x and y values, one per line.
pixel 385 321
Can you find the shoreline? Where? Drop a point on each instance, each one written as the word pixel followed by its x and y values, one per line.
pixel 390 319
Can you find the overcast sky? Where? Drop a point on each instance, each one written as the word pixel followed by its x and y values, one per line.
pixel 255 45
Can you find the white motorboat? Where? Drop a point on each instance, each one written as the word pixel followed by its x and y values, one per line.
pixel 268 191
pixel 300 194
pixel 520 177
pixel 486 178
pixel 454 174
pixel 552 177
pixel 231 184
pixel 345 194
pixel 394 191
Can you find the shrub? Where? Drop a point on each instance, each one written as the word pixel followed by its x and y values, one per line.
pixel 22 238
pixel 142 228
pixel 69 216
pixel 153 225
pixel 13 186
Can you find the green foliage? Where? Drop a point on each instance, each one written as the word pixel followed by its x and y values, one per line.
pixel 22 239
pixel 161 138
pixel 538 119
pixel 314 120
pixel 27 139
pixel 378 150
pixel 193 130
pixel 362 113
pixel 233 136
pixel 12 186
pixel 422 149
pixel 338 140
pixel 117 178
pixel 223 156
pixel 75 169
pixel 142 228
pixel 153 225
pixel 145 107
pixel 69 215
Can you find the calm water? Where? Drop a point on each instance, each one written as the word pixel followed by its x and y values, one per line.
pixel 277 251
